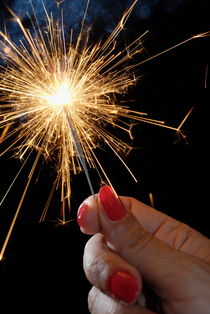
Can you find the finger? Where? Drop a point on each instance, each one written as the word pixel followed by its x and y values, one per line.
pixel 158 263
pixel 174 233
pixel 87 216
pixel 109 272
pixel 100 303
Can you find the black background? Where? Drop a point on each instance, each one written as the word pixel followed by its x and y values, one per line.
pixel 43 262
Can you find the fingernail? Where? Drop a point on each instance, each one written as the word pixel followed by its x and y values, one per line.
pixel 81 215
pixel 123 286
pixel 112 206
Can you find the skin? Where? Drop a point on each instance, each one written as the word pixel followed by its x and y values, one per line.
pixel 167 256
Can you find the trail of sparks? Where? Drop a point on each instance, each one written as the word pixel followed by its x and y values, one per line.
pixel 58 95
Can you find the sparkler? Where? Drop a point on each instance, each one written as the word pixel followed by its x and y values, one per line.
pixel 58 95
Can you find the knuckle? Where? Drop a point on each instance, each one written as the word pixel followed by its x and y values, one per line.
pixel 92 300
pixel 91 266
pixel 136 239
pixel 182 237
pixel 97 267
pixel 99 303
pixel 90 257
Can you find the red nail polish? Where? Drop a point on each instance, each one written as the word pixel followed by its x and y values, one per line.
pixel 123 286
pixel 113 207
pixel 81 217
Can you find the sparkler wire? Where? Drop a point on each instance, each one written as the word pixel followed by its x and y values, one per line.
pixel 80 154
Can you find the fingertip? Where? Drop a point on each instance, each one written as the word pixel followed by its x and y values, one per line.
pixel 124 286
pixel 112 207
pixel 87 216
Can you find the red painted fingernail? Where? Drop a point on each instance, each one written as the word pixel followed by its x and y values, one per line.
pixel 81 217
pixel 113 207
pixel 123 286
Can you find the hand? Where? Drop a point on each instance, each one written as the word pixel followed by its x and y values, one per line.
pixel 138 253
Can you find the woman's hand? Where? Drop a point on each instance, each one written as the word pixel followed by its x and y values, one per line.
pixel 142 261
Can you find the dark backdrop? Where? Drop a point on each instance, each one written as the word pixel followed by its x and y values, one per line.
pixel 43 263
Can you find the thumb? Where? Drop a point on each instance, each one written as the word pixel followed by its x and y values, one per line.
pixel 157 262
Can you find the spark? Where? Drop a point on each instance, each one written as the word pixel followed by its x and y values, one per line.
pixel 58 3
pixel 4 132
pixel 151 200
pixel 185 118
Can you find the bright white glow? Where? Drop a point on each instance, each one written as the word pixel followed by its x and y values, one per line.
pixel 62 97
